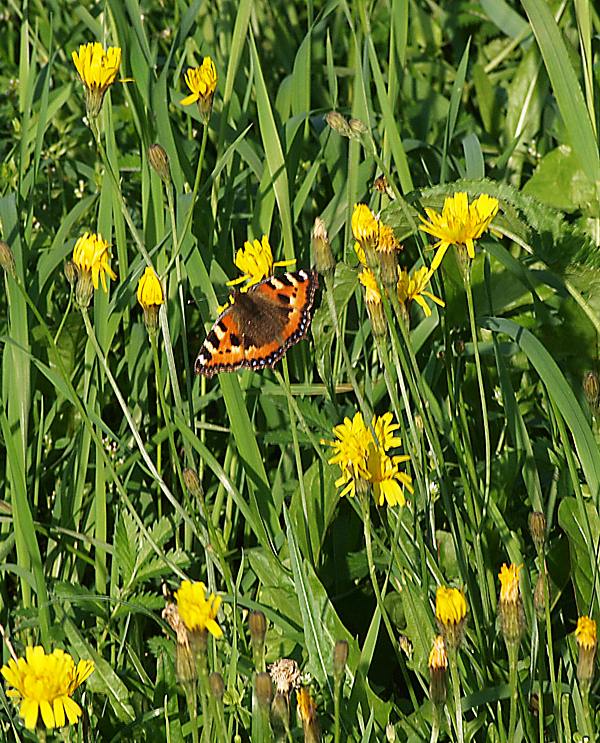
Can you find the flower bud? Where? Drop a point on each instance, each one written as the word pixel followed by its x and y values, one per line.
pixel 537 528
pixel 358 128
pixel 591 388
pixel 340 656
pixel 7 259
pixel 438 665
pixel 192 483
pixel 258 630
pixel 217 685
pixel 322 255
pixel 70 270
pixel 263 688
pixel 587 642
pixel 338 123
pixel 510 606
pixel 159 160
pixel 307 711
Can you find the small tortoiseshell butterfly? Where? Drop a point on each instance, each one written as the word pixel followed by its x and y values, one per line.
pixel 261 324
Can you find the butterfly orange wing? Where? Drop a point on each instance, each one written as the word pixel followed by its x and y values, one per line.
pixel 284 303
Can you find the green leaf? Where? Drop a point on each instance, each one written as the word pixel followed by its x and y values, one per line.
pixel 581 523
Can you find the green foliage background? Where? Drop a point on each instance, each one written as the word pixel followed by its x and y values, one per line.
pixel 484 97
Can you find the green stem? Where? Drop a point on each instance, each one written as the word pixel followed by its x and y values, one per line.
pixel 384 615
pixel 587 715
pixel 435 724
pixel 456 689
pixel 337 694
pixel 484 412
pixel 338 334
pixel 192 703
pixel 513 654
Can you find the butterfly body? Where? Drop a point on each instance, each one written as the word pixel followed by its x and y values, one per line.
pixel 260 325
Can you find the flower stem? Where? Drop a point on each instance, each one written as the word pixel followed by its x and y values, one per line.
pixel 484 412
pixel 452 658
pixel 192 703
pixel 435 724
pixel 587 716
pixel 513 653
pixel 379 598
pixel 337 695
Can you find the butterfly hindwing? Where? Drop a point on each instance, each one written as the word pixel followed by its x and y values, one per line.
pixel 260 325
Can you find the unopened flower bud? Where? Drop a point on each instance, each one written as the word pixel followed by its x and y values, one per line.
pixel 537 528
pixel 192 483
pixel 263 688
pixel 591 388
pixel 357 127
pixel 217 685
pixel 322 255
pixel 70 270
pixel 338 123
pixel 7 259
pixel 438 665
pixel 340 656
pixel 258 630
pixel 159 160
pixel 307 711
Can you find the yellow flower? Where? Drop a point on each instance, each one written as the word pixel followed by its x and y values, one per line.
pixel 307 709
pixel 255 261
pixel 412 288
pixel 365 226
pixel 509 583
pixel 585 633
pixel 202 81
pixel 150 296
pixel 91 255
pixel 44 685
pixel 196 610
pixel 386 478
pixel 368 280
pixel 364 461
pixel 438 665
pixel 150 293
pixel 459 223
pixel 387 241
pixel 97 70
pixel 438 658
pixel 450 606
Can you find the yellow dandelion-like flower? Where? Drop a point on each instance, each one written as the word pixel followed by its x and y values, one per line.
pixel 387 479
pixel 97 70
pixel 450 606
pixel 438 658
pixel 412 288
pixel 198 612
pixel 150 292
pixel 365 226
pixel 255 261
pixel 44 684
pixel 364 461
pixel 387 241
pixel 368 280
pixel 91 255
pixel 509 583
pixel 585 633
pixel 150 295
pixel 460 223
pixel 202 81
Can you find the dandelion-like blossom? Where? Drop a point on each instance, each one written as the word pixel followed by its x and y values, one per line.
pixel 364 460
pixel 44 684
pixel 97 70
pixel 460 223
pixel 412 289
pixel 197 610
pixel 202 81
pixel 255 261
